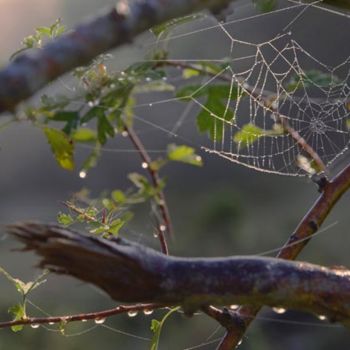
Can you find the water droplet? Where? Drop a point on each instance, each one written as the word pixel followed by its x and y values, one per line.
pixel 82 174
pixel 90 104
pixel 132 313
pixel 239 343
pixel 84 320
pixel 234 307
pixel 51 323
pixel 100 320
pixel 148 79
pixel 122 73
pixel 322 317
pixel 165 78
pixel 125 134
pixel 35 325
pixel 144 165
pixel 279 310
pixel 112 86
pixel 151 104
pixel 162 228
pixel 198 158
pixel 147 312
pixel 155 234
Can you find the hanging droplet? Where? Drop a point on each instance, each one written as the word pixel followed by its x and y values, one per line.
pixel 125 134
pixel 51 323
pixel 234 307
pixel 279 310
pixel 100 320
pixel 84 320
pixel 83 174
pixel 148 79
pixel 148 312
pixel 151 104
pixel 165 78
pixel 198 158
pixel 162 228
pixel 239 343
pixel 90 104
pixel 144 165
pixel 35 325
pixel 322 317
pixel 155 234
pixel 132 313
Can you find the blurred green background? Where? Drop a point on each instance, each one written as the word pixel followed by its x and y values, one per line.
pixel 221 209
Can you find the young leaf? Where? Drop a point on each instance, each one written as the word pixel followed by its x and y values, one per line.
pixel 65 219
pixel 184 154
pixel 84 135
pixel 156 328
pixel 61 146
pixel 18 313
pixel 248 134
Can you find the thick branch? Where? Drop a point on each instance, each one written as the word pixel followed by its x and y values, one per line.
pixel 129 272
pixel 30 72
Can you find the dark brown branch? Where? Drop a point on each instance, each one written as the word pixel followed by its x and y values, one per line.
pixel 310 224
pixel 99 315
pixel 162 204
pixel 28 73
pixel 129 272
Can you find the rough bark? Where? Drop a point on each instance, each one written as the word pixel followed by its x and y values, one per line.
pixel 30 72
pixel 129 272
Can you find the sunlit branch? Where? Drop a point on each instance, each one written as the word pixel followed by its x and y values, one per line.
pixel 28 73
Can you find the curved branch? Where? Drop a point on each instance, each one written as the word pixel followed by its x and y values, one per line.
pixel 129 272
pixel 28 73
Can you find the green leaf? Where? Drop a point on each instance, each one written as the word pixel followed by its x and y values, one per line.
pixel 311 78
pixel 118 196
pixel 248 134
pixel 61 146
pixel 265 5
pixel 212 118
pixel 65 219
pixel 156 328
pixel 70 117
pixel 115 226
pixel 84 135
pixel 164 29
pixel 184 154
pixel 188 73
pixel 104 129
pixel 18 313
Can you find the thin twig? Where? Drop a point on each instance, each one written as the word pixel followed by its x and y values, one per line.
pixel 99 315
pixel 162 204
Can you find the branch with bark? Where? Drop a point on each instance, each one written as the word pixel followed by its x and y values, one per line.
pixel 28 73
pixel 129 272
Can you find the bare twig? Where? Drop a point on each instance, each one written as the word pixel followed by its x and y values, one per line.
pixel 162 204
pixel 97 316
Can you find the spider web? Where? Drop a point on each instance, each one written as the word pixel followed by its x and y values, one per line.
pixel 284 120
pixel 286 112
